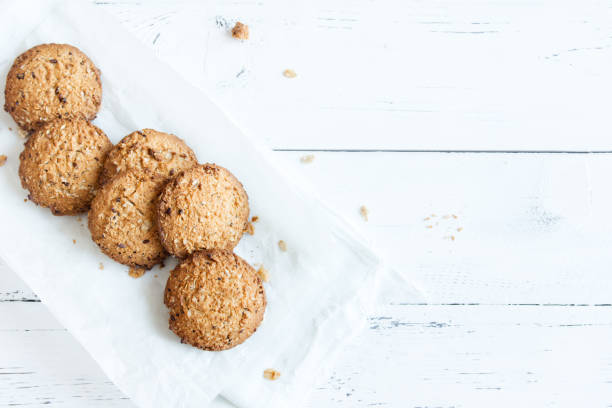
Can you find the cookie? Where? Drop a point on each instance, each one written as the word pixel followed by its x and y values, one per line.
pixel 122 219
pixel 148 149
pixel 61 163
pixel 215 299
pixel 52 81
pixel 204 207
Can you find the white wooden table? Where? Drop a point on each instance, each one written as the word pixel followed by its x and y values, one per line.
pixel 497 112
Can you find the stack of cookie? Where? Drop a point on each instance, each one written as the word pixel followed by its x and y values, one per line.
pixel 147 196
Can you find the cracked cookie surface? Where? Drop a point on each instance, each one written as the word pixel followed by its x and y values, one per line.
pixel 122 219
pixel 52 81
pixel 215 300
pixel 61 163
pixel 204 207
pixel 150 150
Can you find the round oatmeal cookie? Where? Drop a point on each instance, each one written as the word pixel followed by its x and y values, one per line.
pixel 52 81
pixel 148 149
pixel 61 163
pixel 122 219
pixel 204 207
pixel 216 300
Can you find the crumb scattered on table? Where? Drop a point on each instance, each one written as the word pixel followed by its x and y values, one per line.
pixel 459 229
pixel 25 200
pixel 271 374
pixel 136 272
pixel 155 276
pixel 101 266
pixel 22 133
pixel 3 159
pixel 429 226
pixel 452 237
pixel 74 241
pixel 309 158
pixel 263 273
pixel 289 73
pixel 282 245
pixel 240 31
pixel 363 210
pixel 250 229
pixel 10 128
pixel 162 265
pixel 255 218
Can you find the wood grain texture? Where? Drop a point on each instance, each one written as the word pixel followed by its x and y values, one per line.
pixel 491 327
pixel 518 304
pixel 411 355
pixel 435 75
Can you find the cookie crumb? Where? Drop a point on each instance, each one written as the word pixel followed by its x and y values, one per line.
pixel 162 265
pixel 79 219
pixel 454 216
pixel 250 229
pixel 3 159
pixel 282 245
pixel 309 158
pixel 429 226
pixel 263 273
pixel 22 133
pixel 25 200
pixel 459 229
pixel 255 218
pixel 136 272
pixel 271 374
pixel 452 237
pixel 101 266
pixel 155 276
pixel 240 31
pixel 74 241
pixel 363 210
pixel 289 73
pixel 10 128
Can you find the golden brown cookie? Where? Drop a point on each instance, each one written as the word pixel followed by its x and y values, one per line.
pixel 215 299
pixel 61 163
pixel 122 219
pixel 204 207
pixel 148 149
pixel 52 81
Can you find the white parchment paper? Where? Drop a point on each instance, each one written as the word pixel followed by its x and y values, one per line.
pixel 318 288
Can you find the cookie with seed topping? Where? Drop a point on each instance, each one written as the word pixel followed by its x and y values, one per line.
pixel 61 163
pixel 215 300
pixel 52 81
pixel 151 150
pixel 204 207
pixel 122 219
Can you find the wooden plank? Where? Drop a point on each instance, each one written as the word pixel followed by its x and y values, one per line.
pixel 535 228
pixel 530 228
pixel 440 75
pixel 410 356
pixel 464 356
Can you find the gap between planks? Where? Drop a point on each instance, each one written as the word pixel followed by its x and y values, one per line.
pixel 446 151
pixel 514 304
